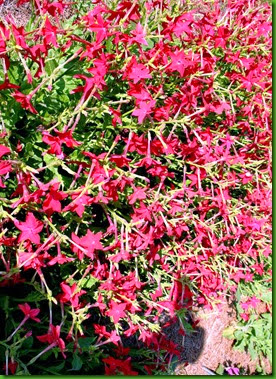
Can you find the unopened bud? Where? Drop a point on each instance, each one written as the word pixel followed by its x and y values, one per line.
pixel 28 334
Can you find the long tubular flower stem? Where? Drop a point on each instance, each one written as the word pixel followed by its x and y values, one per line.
pixel 7 362
pixel 19 326
pixel 41 353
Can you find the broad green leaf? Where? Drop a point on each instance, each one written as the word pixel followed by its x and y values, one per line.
pixel 76 363
pixel 86 342
pixel 90 282
pixel 229 332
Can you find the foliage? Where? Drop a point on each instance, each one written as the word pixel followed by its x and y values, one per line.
pixel 253 330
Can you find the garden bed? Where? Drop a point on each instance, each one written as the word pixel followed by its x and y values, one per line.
pixel 135 187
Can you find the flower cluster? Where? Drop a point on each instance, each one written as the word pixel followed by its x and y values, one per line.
pixel 135 172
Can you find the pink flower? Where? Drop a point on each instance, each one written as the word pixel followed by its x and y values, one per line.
pixel 232 370
pixel 244 316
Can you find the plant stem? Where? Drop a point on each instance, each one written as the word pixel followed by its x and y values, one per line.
pixel 19 326
pixel 41 353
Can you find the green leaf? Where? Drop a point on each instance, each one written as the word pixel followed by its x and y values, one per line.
pixel 50 66
pixel 269 356
pixel 32 297
pixel 28 343
pixel 86 342
pixel 109 45
pixel 229 333
pixel 239 335
pixel 57 368
pixel 220 369
pixel 15 72
pixel 76 363
pixel 174 363
pixel 252 351
pixel 90 282
pixel 46 355
pixel 267 296
pixel 238 294
pixel 150 44
pixel 52 162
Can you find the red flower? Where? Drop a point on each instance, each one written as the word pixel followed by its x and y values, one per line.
pixel 138 194
pixel 116 311
pixel 245 316
pixel 179 62
pixel 117 366
pixel 139 35
pixel 136 71
pixel 222 36
pixel 5 167
pixel 120 160
pixel 53 338
pixel 139 92
pixel 25 101
pixel 116 116
pixel 60 259
pixel 49 32
pixel 28 312
pixel 4 150
pixel 78 204
pixel 55 142
pixel 67 138
pixel 145 108
pixel 12 366
pixel 97 25
pixel 110 336
pixel 30 229
pixel 70 294
pixel 52 202
pixel 89 243
pixel 89 87
pixel 7 85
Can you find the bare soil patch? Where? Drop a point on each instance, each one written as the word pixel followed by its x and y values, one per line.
pixel 20 15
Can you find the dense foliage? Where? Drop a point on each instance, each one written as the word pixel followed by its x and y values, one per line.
pixel 135 177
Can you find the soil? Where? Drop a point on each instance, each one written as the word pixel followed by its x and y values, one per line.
pixel 20 15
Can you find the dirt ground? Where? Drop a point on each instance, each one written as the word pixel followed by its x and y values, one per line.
pixel 20 15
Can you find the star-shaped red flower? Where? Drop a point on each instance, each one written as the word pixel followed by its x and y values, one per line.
pixel 116 311
pixel 89 243
pixel 30 229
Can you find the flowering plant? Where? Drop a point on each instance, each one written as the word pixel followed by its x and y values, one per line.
pixel 135 173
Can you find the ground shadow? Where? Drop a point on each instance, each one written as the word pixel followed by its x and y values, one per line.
pixel 191 344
